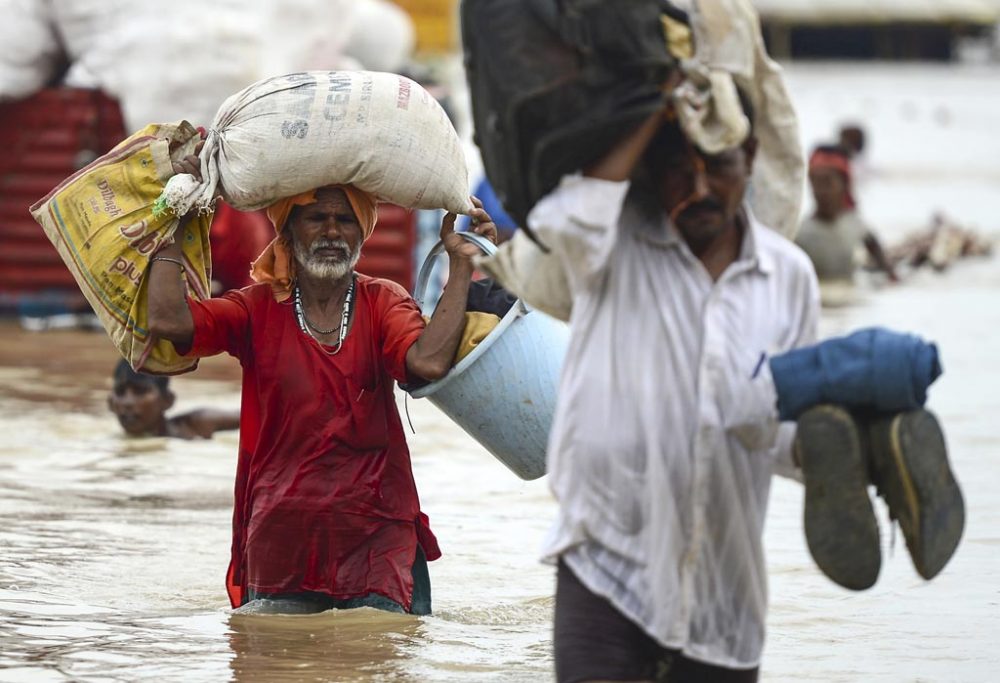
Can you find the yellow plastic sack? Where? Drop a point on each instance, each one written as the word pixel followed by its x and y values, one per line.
pixel 101 220
pixel 478 326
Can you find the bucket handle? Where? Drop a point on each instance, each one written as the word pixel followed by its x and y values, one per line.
pixel 424 277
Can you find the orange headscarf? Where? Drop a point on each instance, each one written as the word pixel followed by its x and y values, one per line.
pixel 275 265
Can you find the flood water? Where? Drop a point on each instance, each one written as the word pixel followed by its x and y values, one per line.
pixel 113 550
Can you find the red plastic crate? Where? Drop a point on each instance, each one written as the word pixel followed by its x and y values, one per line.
pixel 45 138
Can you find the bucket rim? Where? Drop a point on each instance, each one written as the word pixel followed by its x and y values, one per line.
pixel 516 312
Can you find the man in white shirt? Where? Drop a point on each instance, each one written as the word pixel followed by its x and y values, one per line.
pixel 666 434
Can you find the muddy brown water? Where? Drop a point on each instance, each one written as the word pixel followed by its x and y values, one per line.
pixel 113 550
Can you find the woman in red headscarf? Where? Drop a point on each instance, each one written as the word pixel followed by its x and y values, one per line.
pixel 835 233
pixel 326 511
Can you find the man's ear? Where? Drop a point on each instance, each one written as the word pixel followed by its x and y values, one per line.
pixel 111 403
pixel 168 399
pixel 750 152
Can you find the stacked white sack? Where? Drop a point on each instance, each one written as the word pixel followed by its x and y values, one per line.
pixel 31 54
pixel 166 65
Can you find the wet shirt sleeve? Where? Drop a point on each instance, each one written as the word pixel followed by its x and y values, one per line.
pixel 221 325
pixel 579 220
pixel 401 324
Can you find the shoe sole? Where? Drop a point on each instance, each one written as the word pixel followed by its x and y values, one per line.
pixel 840 525
pixel 921 489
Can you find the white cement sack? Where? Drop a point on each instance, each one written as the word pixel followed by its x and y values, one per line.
pixel 29 48
pixel 380 132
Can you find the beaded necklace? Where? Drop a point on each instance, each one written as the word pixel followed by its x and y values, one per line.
pixel 308 328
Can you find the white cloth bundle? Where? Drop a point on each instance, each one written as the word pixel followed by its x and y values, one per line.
pixel 730 53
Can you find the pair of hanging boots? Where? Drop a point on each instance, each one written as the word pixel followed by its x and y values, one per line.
pixel 903 455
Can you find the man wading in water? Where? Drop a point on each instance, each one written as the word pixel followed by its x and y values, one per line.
pixel 326 510
pixel 666 429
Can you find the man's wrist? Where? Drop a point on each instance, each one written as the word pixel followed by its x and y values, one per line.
pixel 460 266
pixel 171 248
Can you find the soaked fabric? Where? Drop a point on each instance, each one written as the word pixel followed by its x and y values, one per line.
pixel 275 265
pixel 313 602
pixel 594 641
pixel 665 437
pixel 325 499
pixel 874 369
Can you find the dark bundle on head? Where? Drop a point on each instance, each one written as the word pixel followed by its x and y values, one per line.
pixel 124 376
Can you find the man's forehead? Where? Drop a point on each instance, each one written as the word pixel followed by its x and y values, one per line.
pixel 825 171
pixel 331 195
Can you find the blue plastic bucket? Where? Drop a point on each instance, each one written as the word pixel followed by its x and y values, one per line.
pixel 503 394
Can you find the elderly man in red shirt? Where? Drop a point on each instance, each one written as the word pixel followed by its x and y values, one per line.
pixel 326 510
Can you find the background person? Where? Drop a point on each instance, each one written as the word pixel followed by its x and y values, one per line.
pixel 141 401
pixel 835 233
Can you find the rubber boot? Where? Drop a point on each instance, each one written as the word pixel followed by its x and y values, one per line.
pixel 911 472
pixel 840 525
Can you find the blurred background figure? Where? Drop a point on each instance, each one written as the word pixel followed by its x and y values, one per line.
pixel 852 140
pixel 940 245
pixel 834 234
pixel 506 227
pixel 141 401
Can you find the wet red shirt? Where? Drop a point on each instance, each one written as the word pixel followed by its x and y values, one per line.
pixel 325 499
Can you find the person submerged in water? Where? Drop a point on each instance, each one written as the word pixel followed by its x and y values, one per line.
pixel 835 234
pixel 141 401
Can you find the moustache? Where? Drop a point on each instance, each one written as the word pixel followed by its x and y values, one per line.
pixel 705 205
pixel 324 243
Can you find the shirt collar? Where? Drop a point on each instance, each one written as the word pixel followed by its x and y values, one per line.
pixel 750 250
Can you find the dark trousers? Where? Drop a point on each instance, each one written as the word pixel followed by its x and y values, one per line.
pixel 594 641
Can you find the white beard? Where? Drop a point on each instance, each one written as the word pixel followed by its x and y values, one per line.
pixel 325 267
